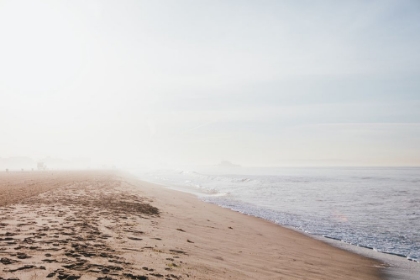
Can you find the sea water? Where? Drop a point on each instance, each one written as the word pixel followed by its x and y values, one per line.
pixel 377 208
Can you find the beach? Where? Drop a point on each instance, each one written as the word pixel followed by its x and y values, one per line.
pixel 110 225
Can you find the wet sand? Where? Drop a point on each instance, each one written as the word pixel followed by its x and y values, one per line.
pixel 108 225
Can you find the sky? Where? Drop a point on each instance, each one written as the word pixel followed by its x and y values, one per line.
pixel 258 83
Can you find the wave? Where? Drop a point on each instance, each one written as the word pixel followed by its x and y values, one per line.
pixel 364 207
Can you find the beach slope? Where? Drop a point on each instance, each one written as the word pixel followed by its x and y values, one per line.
pixel 110 225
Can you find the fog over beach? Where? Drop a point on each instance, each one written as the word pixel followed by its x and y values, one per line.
pixel 260 84
pixel 295 114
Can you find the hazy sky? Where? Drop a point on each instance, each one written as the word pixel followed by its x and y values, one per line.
pixel 253 82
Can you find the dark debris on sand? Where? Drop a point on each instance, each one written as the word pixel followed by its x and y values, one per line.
pixel 74 232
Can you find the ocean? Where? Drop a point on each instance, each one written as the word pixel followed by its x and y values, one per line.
pixel 375 208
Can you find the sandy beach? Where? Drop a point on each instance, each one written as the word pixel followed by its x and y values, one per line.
pixel 110 225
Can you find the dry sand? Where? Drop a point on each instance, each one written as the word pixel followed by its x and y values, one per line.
pixel 104 225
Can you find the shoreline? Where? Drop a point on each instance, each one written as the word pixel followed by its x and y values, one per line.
pixel 188 238
pixel 293 231
pixel 396 266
